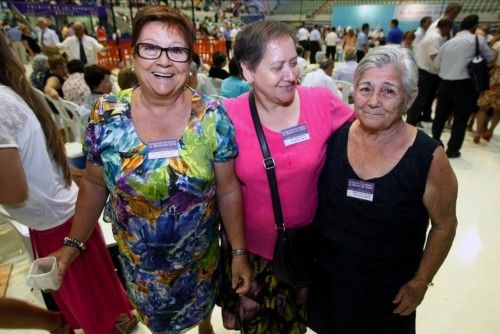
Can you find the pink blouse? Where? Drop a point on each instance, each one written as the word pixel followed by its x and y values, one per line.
pixel 297 166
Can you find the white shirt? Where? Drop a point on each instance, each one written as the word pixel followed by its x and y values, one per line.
pixel 427 47
pixel 331 39
pixel 49 203
pixel 455 54
pixel 419 35
pixel 303 34
pixel 50 37
pixel 71 46
pixel 346 71
pixel 315 35
pixel 320 78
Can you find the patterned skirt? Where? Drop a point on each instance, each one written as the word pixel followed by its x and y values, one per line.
pixel 269 307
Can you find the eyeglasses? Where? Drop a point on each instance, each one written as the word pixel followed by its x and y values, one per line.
pixel 152 52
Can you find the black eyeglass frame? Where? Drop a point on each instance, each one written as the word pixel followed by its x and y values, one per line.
pixel 188 51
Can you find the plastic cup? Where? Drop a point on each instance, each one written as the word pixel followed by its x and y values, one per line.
pixel 74 152
pixel 43 274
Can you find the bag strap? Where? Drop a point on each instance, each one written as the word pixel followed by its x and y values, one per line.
pixel 477 47
pixel 269 164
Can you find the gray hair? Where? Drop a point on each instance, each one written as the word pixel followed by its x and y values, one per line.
pixel 40 63
pixel 391 55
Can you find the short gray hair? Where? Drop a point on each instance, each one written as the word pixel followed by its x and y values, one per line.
pixel 391 55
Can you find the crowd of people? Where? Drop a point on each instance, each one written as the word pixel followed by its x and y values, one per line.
pixel 179 173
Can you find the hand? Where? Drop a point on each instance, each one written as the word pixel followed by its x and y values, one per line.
pixel 410 296
pixel 241 274
pixel 64 255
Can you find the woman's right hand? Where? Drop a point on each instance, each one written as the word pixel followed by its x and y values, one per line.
pixel 64 255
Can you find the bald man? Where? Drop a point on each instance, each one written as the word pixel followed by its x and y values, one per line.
pixel 80 46
pixel 47 38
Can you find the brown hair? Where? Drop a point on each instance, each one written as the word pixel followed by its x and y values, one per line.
pixel 251 42
pixel 172 17
pixel 12 74
pixel 56 60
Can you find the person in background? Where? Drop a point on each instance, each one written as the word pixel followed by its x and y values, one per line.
pixel 346 71
pixel 451 11
pixel 425 23
pixel 126 78
pixel 490 99
pixel 303 40
pixel 38 76
pixel 362 42
pixel 314 43
pixel 408 38
pixel 36 189
pixel 74 87
pixel 219 60
pixel 205 85
pixel 47 38
pixel 381 183
pixel 29 42
pixel 58 72
pixel 322 77
pixel 98 80
pixel 81 46
pixel 18 314
pixel 266 52
pixel 301 61
pixel 331 40
pixel 395 35
pixel 456 94
pixel 160 158
pixel 234 85
pixel 428 78
pixel 349 41
pixel 14 36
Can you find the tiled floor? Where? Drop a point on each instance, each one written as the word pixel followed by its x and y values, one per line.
pixel 466 295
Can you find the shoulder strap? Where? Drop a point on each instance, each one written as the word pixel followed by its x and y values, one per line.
pixel 269 164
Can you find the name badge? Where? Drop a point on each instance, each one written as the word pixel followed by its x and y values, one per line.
pixel 295 134
pixel 360 189
pixel 163 149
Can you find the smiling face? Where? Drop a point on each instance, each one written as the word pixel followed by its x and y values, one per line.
pixel 161 77
pixel 379 98
pixel 275 78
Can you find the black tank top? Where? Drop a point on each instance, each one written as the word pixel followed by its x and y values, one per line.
pixel 378 241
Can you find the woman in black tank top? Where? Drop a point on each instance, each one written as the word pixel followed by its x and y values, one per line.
pixel 382 182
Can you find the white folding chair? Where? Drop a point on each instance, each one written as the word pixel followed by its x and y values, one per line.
pixel 80 117
pixel 69 119
pixel 345 88
pixel 55 112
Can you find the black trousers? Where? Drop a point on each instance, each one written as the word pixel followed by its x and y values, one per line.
pixel 457 98
pixel 331 52
pixel 421 109
pixel 359 55
pixel 315 47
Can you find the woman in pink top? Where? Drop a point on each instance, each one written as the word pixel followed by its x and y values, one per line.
pixel 267 55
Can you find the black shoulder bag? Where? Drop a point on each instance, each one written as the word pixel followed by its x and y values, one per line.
pixel 293 259
pixel 478 71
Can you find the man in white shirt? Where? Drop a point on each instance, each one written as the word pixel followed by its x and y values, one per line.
pixel 346 71
pixel 425 23
pixel 81 46
pixel 314 44
pixel 456 94
pixel 331 40
pixel 428 79
pixel 47 38
pixel 303 37
pixel 451 11
pixel 322 77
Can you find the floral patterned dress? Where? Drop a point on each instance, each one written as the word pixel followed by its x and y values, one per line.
pixel 164 211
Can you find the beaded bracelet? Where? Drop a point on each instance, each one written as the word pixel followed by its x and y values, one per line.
pixel 239 252
pixel 70 242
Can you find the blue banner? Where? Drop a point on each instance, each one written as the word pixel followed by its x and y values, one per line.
pixel 58 9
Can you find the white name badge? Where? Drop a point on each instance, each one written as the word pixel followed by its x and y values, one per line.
pixel 360 189
pixel 295 134
pixel 163 149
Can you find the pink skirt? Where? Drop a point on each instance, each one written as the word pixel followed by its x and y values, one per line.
pixel 91 296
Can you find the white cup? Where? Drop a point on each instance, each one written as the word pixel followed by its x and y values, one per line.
pixel 43 274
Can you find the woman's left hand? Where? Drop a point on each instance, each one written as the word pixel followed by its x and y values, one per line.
pixel 410 296
pixel 241 274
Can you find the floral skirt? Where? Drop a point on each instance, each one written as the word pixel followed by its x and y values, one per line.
pixel 269 307
pixel 491 97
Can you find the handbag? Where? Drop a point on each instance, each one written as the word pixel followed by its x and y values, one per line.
pixel 293 259
pixel 478 71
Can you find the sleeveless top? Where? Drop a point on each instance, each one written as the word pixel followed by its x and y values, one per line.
pixel 378 241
